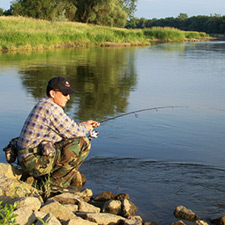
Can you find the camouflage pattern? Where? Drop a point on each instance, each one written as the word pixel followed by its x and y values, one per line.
pixel 62 165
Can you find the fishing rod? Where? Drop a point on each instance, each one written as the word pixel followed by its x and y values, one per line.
pixel 94 133
pixel 159 108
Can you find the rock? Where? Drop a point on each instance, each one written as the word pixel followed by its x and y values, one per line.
pixel 128 208
pixel 73 198
pixel 10 171
pixel 186 214
pixel 178 223
pixel 112 206
pixel 71 207
pixel 80 221
pixel 105 196
pixel 77 181
pixel 86 207
pixel 58 210
pixel 12 188
pixel 200 222
pixel 219 221
pixel 48 219
pixel 24 216
pixel 101 218
pixel 32 202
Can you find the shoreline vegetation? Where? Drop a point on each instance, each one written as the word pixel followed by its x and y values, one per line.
pixel 28 34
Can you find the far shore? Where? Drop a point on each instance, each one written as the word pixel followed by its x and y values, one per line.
pixel 27 34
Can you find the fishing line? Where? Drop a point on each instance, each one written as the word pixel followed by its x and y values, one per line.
pixel 159 108
pixel 94 133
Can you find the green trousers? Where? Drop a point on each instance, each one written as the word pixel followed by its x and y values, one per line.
pixel 63 165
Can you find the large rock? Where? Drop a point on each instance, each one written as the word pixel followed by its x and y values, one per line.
pixel 185 214
pixel 11 188
pixel 219 221
pixel 73 198
pixel 58 210
pixel 128 208
pixel 86 207
pixel 25 215
pixel 33 203
pixel 112 206
pixel 48 219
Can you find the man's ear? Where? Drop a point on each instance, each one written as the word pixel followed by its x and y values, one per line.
pixel 52 93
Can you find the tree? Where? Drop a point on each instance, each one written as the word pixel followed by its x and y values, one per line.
pixel 101 12
pixel 44 9
pixel 1 11
pixel 129 6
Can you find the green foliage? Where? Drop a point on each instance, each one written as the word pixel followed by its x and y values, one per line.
pixel 208 24
pixel 6 214
pixel 109 13
pixel 27 33
pixel 166 34
pixel 1 11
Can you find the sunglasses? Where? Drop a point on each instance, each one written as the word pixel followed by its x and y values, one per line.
pixel 62 93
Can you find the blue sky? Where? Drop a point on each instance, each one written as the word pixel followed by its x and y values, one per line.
pixel 168 8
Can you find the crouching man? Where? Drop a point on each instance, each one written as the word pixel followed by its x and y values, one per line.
pixel 52 143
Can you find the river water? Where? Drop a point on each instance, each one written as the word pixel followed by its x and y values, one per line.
pixel 161 158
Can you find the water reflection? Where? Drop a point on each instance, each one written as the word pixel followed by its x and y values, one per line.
pixel 103 78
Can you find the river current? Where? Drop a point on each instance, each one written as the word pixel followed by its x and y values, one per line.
pixel 161 158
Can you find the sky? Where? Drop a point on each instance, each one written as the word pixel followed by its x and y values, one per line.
pixel 168 8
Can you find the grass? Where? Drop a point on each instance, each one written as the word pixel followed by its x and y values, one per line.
pixel 173 34
pixel 20 33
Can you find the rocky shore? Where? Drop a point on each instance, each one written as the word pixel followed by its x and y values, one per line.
pixel 73 207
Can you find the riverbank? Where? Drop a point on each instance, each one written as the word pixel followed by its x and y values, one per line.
pixel 21 203
pixel 21 34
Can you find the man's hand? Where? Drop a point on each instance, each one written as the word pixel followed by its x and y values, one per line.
pixel 91 124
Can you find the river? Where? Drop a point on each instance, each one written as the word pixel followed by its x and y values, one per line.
pixel 162 158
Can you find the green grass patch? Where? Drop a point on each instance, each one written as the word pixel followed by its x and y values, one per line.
pixel 19 33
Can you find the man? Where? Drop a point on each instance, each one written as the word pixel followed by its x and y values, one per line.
pixel 50 142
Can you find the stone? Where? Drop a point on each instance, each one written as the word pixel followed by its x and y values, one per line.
pixel 58 210
pixel 80 221
pixel 24 216
pixel 112 206
pixel 101 218
pixel 77 181
pixel 178 223
pixel 71 207
pixel 12 188
pixel 185 214
pixel 33 202
pixel 219 221
pixel 73 198
pixel 86 207
pixel 201 222
pixel 128 208
pixel 105 196
pixel 48 219
pixel 10 171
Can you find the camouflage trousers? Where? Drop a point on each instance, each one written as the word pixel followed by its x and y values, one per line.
pixel 63 165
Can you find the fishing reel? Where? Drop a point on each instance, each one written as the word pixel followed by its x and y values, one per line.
pixel 93 134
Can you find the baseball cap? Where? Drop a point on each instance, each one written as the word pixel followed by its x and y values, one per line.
pixel 60 84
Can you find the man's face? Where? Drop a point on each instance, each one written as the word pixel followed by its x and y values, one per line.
pixel 60 99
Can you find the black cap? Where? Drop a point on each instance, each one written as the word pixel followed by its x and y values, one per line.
pixel 60 84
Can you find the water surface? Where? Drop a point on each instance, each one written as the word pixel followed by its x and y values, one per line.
pixel 162 158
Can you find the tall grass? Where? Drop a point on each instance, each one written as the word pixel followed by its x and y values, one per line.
pixel 19 33
pixel 172 34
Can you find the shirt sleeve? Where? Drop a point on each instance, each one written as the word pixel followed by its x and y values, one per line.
pixel 65 126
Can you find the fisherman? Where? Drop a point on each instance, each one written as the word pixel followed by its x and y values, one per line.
pixel 52 143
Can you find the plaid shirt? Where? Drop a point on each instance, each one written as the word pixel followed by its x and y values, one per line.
pixel 47 121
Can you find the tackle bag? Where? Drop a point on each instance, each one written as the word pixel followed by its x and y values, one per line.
pixel 11 151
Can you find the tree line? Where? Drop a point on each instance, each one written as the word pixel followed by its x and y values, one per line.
pixel 115 13
pixel 213 24
pixel 103 12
